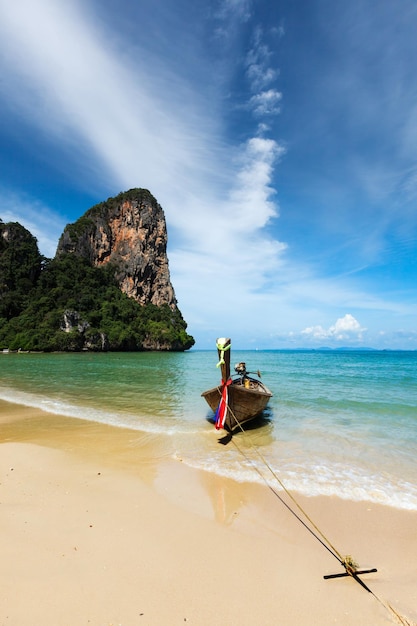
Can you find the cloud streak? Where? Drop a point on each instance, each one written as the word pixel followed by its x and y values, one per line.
pixel 69 81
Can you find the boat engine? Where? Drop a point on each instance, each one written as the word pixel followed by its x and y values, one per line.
pixel 240 368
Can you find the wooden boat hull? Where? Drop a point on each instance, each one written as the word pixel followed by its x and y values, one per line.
pixel 244 403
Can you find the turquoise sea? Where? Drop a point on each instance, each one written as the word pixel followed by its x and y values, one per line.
pixel 340 423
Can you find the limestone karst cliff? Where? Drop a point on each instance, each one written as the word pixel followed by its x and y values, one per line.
pixel 128 231
pixel 107 288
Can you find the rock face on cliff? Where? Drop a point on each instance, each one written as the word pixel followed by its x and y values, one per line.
pixel 129 232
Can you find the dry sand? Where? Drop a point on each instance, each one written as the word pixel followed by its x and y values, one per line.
pixel 100 526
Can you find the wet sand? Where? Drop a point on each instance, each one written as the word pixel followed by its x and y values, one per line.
pixel 102 526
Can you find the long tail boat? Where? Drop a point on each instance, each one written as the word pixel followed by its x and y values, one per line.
pixel 240 397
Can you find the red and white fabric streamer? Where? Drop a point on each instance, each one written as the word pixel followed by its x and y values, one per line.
pixel 221 411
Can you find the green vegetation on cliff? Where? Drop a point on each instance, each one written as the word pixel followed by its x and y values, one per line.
pixel 66 304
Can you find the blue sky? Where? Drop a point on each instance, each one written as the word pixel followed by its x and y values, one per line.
pixel 279 137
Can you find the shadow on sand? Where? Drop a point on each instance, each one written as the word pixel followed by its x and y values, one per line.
pixel 262 420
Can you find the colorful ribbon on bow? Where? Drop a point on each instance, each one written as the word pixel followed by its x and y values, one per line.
pixel 221 411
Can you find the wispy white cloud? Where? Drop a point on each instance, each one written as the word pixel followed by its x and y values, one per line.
pixel 260 77
pixel 266 102
pixel 234 9
pixel 252 196
pixel 259 71
pixel 261 74
pixel 231 229
pixel 65 77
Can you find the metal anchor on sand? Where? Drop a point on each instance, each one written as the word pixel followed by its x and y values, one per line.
pixel 351 569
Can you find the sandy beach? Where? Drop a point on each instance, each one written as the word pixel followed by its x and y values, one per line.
pixel 101 526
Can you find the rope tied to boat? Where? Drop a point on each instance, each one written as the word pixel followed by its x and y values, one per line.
pixel 350 565
pixel 221 347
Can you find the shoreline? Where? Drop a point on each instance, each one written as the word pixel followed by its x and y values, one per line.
pixel 101 526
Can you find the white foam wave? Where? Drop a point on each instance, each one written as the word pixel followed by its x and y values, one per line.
pixel 334 480
pixel 139 422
